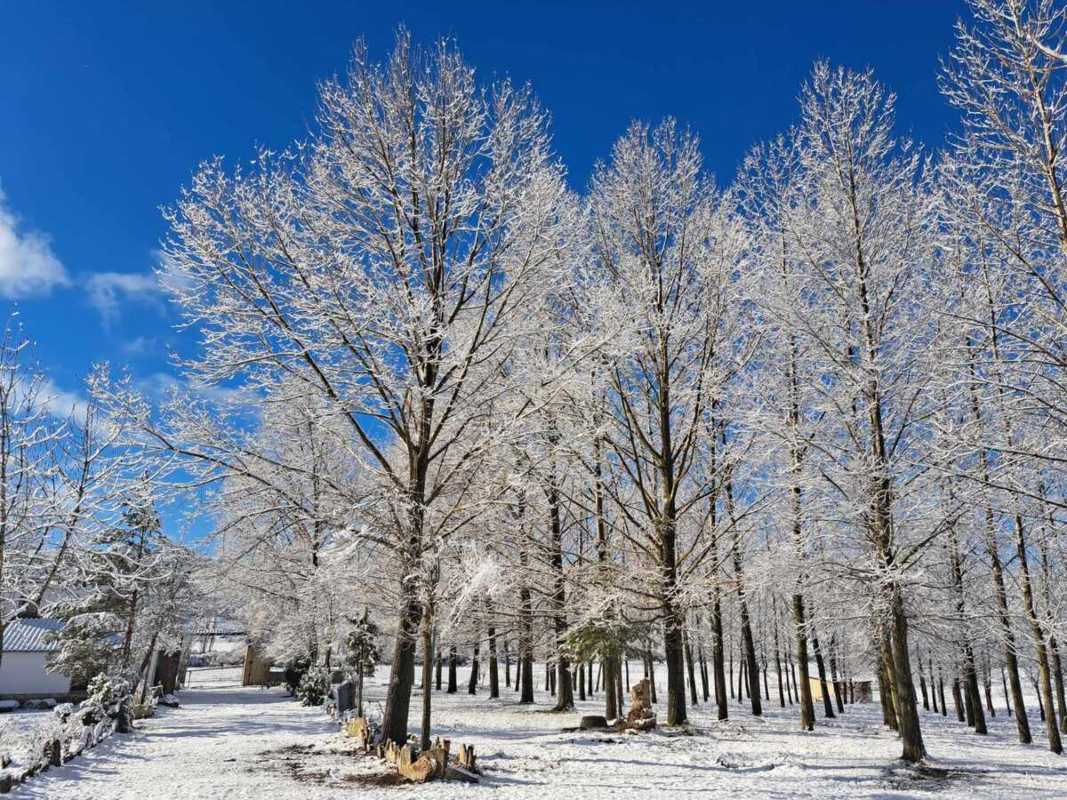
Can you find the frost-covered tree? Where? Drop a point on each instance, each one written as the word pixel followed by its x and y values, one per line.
pixel 665 253
pixel 379 265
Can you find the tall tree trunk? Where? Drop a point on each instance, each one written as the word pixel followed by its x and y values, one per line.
pixel 452 683
pixel 885 678
pixel 922 686
pixel 777 656
pixel 957 700
pixel 494 670
pixel 565 696
pixel 1000 593
pixel 402 672
pixel 904 690
pixel 718 648
pixel 524 675
pixel 941 691
pixel 472 684
pixel 689 666
pixel 704 686
pixel 747 644
pixel 933 685
pixel 833 674
pixel 652 675
pixel 803 687
pixel 611 708
pixel 820 665
pixel 976 716
pixel 1053 644
pixel 1044 671
pixel 989 688
pixel 427 675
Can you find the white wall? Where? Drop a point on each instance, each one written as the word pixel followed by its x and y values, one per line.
pixel 25 673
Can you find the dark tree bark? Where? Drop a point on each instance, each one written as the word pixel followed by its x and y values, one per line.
pixel 941 691
pixel 494 670
pixel 885 681
pixel 777 655
pixel 402 673
pixel 452 686
pixel 652 676
pixel 611 708
pixel 834 676
pixel 922 686
pixel 565 691
pixel 824 686
pixel 704 687
pixel 1000 593
pixel 904 690
pixel 1055 744
pixel 1053 644
pixel 747 643
pixel 472 684
pixel 989 689
pixel 975 714
pixel 689 667
pixel 933 686
pixel 427 676
pixel 524 675
pixel 957 700
pixel 507 665
pixel 718 648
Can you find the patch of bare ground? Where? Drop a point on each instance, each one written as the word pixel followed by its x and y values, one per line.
pixel 919 777
pixel 334 762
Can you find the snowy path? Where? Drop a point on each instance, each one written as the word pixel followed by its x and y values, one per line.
pixel 229 743
pixel 208 748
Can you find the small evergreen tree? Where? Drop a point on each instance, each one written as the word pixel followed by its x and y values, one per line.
pixel 362 653
pixel 314 686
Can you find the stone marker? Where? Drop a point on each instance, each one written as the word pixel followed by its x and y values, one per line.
pixel 346 697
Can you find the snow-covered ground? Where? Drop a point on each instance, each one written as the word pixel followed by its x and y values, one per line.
pixel 234 743
pixel 22 731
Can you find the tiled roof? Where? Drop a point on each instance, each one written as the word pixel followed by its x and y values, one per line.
pixel 31 635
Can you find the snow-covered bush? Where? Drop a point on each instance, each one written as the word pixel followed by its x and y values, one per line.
pixel 107 698
pixel 295 670
pixel 314 687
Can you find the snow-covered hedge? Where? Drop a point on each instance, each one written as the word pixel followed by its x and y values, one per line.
pixel 66 733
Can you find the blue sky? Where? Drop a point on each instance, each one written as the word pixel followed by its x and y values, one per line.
pixel 106 108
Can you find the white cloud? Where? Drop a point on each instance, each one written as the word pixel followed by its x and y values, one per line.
pixel 140 345
pixel 60 403
pixel 107 291
pixel 159 385
pixel 27 264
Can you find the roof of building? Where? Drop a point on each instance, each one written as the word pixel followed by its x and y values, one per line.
pixel 31 635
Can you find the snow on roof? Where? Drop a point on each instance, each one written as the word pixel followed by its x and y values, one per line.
pixel 31 635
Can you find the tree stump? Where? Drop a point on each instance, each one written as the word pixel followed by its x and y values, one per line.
pixel 640 717
pixel 54 752
pixel 466 757
pixel 593 722
pixel 359 730
pixel 417 770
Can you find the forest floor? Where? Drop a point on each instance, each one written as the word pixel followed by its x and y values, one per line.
pixel 234 743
